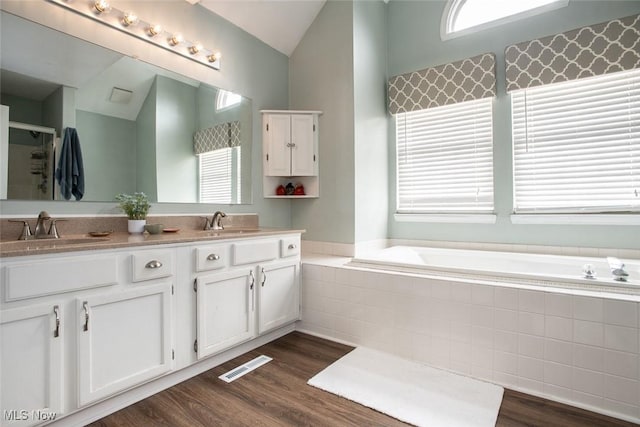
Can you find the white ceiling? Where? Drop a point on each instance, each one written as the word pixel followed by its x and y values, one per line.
pixel 279 23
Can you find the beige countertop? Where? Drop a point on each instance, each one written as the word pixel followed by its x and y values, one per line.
pixel 119 240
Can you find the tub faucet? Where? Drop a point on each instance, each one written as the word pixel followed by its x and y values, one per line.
pixel 216 221
pixel 617 269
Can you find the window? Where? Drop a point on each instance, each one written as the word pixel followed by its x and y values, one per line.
pixel 219 172
pixel 466 16
pixel 226 99
pixel 576 145
pixel 445 159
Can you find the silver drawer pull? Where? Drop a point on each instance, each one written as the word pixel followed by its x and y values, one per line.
pixel 85 306
pixel 292 246
pixel 56 311
pixel 213 257
pixel 153 264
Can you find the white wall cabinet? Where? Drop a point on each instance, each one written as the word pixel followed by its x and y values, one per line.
pixel 225 310
pixel 278 294
pixel 124 339
pixel 31 364
pixel 290 150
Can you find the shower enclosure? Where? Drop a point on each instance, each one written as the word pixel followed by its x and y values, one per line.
pixel 30 165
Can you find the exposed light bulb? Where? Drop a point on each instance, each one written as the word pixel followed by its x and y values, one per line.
pixel 154 29
pixel 197 47
pixel 176 39
pixel 102 6
pixel 129 18
pixel 214 57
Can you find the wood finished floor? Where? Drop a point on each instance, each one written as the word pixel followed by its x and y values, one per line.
pixel 276 394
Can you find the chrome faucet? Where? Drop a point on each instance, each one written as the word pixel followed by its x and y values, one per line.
pixel 40 231
pixel 617 269
pixel 216 221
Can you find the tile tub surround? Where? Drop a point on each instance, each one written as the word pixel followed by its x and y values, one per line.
pixel 83 225
pixel 573 347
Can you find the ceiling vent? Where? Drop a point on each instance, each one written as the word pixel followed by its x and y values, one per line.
pixel 121 96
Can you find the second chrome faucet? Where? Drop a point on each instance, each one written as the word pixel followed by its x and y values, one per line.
pixel 216 221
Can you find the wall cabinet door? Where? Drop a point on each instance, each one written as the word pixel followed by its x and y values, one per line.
pixel 225 310
pixel 303 145
pixel 31 365
pixel 278 146
pixel 124 339
pixel 278 294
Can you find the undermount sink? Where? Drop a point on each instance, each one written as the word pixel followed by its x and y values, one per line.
pixel 49 243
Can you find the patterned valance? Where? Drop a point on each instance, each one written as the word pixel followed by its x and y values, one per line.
pixel 466 80
pixel 585 52
pixel 219 136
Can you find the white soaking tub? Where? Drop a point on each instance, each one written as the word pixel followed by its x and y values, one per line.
pixel 505 267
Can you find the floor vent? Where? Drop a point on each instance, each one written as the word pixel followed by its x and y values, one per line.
pixel 236 373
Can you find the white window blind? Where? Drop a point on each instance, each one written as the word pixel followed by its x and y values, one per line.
pixel 445 159
pixel 220 176
pixel 576 145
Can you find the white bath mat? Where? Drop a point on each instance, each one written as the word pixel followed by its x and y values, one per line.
pixel 409 391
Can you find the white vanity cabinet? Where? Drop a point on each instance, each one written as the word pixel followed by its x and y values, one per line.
pixel 31 363
pixel 77 329
pixel 290 150
pixel 123 339
pixel 258 292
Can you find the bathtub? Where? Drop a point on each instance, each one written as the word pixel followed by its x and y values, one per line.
pixel 503 267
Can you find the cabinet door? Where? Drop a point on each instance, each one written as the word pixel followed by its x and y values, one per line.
pixel 225 310
pixel 277 148
pixel 123 339
pixel 31 365
pixel 278 294
pixel 303 148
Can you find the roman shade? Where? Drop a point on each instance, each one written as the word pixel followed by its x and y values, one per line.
pixel 466 80
pixel 224 135
pixel 584 52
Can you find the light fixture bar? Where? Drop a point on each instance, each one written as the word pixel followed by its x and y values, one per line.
pixel 128 22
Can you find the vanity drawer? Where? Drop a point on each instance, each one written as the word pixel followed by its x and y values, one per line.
pixel 147 265
pixel 39 278
pixel 212 257
pixel 289 246
pixel 255 251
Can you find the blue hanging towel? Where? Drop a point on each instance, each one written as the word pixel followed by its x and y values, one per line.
pixel 70 170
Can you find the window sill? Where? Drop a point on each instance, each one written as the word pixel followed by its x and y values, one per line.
pixel 479 218
pixel 576 219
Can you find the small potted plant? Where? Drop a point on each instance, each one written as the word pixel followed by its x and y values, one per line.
pixel 136 207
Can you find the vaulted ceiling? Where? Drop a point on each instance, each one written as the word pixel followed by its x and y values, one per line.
pixel 279 23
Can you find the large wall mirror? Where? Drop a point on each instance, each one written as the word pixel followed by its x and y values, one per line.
pixel 141 128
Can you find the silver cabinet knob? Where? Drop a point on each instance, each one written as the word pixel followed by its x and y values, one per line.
pixel 213 257
pixel 292 246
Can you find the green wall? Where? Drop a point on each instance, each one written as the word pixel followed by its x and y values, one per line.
pixel 108 143
pixel 176 164
pixel 145 155
pixel 414 43
pixel 370 129
pixel 321 78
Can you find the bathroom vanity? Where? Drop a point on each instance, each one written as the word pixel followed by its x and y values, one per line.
pixel 97 319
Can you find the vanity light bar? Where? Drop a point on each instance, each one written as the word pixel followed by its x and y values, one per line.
pixel 128 22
